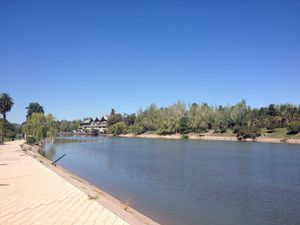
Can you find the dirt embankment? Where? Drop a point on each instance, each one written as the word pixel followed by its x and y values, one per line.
pixel 210 137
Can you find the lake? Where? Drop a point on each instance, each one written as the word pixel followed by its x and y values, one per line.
pixel 186 182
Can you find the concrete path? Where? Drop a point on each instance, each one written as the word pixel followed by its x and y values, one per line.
pixel 30 193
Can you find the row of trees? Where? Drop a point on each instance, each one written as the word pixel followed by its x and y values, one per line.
pixel 37 125
pixel 178 118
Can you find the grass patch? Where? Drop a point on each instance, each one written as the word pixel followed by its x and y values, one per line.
pixel 281 133
pixel 277 133
pixel 296 136
pixel 228 133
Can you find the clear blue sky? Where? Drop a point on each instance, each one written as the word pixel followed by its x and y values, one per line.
pixel 82 58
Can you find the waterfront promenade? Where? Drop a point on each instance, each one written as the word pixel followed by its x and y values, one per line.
pixel 31 193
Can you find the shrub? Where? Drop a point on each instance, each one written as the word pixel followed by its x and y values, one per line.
pixel 30 140
pixel 293 127
pixel 184 136
pixel 163 131
pixel 183 125
pixel 247 132
pixel 137 129
pixel 223 130
pixel 270 127
pixel 117 128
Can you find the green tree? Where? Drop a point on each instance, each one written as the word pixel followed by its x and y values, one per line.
pixel 239 113
pixel 39 126
pixel 51 130
pixel 6 103
pixel 137 128
pixel 169 120
pixel 129 119
pixel 201 117
pixel 117 128
pixel 34 107
pixel 247 132
pixel 75 124
pixel 113 112
pixel 271 110
pixel 149 118
pixel 184 125
pixel 115 118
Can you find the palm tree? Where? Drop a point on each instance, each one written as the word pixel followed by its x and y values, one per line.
pixel 34 108
pixel 6 102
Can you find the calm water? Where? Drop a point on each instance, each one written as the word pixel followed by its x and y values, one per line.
pixel 186 182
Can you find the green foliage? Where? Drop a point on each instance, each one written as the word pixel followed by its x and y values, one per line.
pixel 239 113
pixel 169 118
pixel 117 128
pixel 269 125
pixel 6 103
pixel 40 126
pixel 184 136
pixel 184 125
pixel 11 131
pixel 129 119
pixel 247 132
pixel 293 127
pixel 199 118
pixel 30 140
pixel 149 118
pixel 66 125
pixel 114 118
pixel 137 129
pixel 177 118
pixel 34 107
pixel 51 131
pixel 271 110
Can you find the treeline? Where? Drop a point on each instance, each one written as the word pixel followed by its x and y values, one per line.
pixel 244 121
pixel 241 119
pixel 37 126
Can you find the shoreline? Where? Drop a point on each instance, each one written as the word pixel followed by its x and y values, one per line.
pixel 192 136
pixel 125 212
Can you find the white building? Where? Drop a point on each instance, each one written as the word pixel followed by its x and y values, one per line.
pixel 89 125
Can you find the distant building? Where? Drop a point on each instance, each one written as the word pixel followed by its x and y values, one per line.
pixel 99 125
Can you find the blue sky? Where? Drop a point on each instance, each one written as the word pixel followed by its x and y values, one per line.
pixel 82 58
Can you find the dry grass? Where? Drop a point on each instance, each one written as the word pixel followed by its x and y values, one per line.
pixel 127 204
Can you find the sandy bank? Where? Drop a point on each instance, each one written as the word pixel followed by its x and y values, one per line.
pixel 212 138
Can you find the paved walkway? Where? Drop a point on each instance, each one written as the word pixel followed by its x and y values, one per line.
pixel 30 193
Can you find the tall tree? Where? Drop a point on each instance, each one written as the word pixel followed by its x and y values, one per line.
pixel 6 102
pixel 34 107
pixel 40 126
